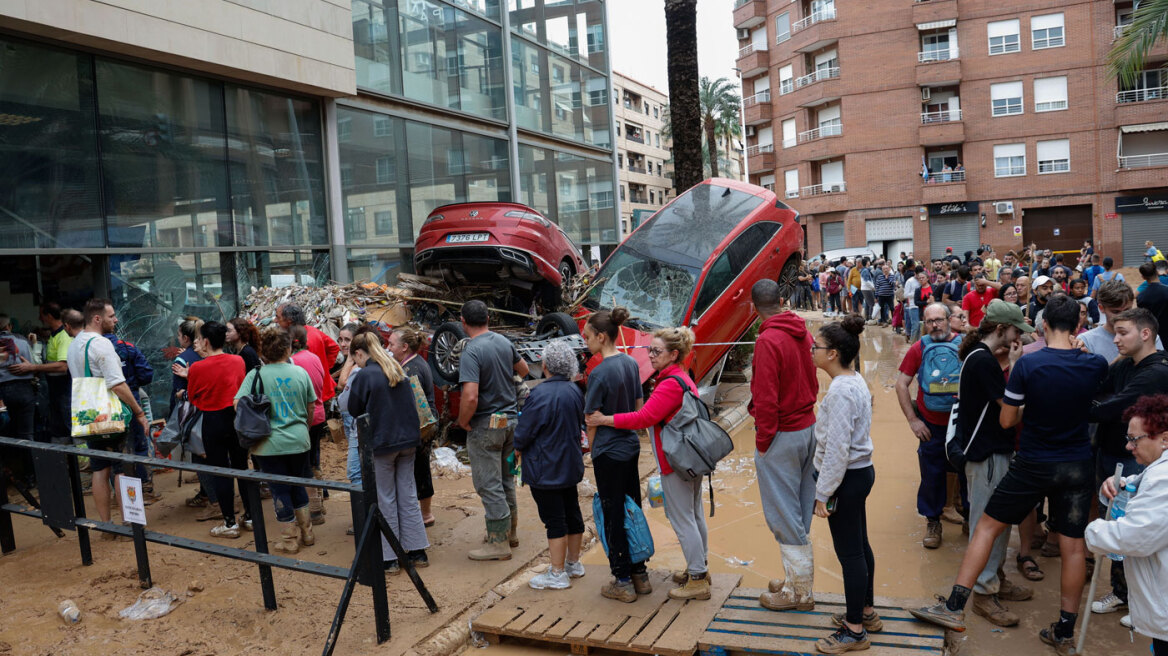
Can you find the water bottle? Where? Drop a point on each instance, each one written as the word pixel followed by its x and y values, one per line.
pixel 69 612
pixel 1119 509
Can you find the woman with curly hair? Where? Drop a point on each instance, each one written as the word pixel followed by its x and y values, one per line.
pixel 243 339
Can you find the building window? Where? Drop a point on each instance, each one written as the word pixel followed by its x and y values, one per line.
pixel 622 193
pixel 1046 31
pixel 383 222
pixel 1004 36
pixel 1050 94
pixel 346 175
pixel 659 173
pixel 385 172
pixel 782 27
pixel 344 129
pixel 618 128
pixel 1009 160
pixel 355 223
pixel 646 109
pixel 557 74
pixel 656 112
pixel 1006 98
pixel 381 127
pixel 620 160
pixel 596 97
pixel 651 197
pixel 1054 156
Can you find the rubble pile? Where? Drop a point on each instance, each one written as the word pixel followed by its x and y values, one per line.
pixel 330 307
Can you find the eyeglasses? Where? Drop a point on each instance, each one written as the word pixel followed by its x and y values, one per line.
pixel 816 347
pixel 1132 439
pixel 936 321
pixel 655 351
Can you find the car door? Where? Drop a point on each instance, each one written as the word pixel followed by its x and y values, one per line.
pixel 722 310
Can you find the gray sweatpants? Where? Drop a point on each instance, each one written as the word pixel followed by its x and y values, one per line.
pixel 684 510
pixel 488 449
pixel 397 498
pixel 786 483
pixel 982 478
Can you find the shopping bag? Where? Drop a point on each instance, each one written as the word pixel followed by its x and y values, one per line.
pixel 170 437
pixel 636 529
pixel 192 433
pixel 95 410
pixel 427 424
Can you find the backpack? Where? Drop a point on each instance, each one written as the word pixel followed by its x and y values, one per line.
pixel 957 443
pixel 940 373
pixel 692 443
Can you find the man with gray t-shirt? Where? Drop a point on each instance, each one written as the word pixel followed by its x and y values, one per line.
pixel 487 412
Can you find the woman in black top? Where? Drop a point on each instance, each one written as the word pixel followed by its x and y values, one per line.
pixel 404 344
pixel 243 339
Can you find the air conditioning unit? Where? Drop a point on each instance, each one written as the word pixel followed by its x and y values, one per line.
pixel 1004 207
pixel 834 188
pixel 743 34
pixel 926 93
pixel 750 130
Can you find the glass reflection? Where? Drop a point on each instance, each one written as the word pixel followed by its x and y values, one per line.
pixel 573 28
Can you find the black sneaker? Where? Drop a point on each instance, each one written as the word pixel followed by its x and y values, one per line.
pixel 1062 646
pixel 418 558
pixel 843 640
pixel 392 567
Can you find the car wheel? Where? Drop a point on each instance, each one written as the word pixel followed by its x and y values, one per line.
pixel 557 324
pixel 443 361
pixel 565 272
pixel 789 279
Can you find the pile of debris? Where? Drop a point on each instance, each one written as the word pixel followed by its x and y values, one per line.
pixel 330 307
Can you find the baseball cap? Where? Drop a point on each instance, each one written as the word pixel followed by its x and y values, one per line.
pixel 1040 281
pixel 999 311
pixel 949 249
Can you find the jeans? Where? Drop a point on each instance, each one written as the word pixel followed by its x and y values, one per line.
pixel 353 462
pixel 60 391
pixel 912 321
pixel 20 398
pixel 885 308
pixel 397 500
pixel 286 498
pixel 616 479
pixel 1105 467
pixel 834 302
pixel 140 445
pixel 869 303
pixel 933 490
pixel 983 478
pixel 849 536
pixel 489 449
pixel 315 435
pixel 423 477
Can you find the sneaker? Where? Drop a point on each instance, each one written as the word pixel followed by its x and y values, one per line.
pixel 843 640
pixel 932 538
pixel 641 583
pixel 940 615
pixel 615 589
pixel 418 558
pixel 1108 604
pixel 989 607
pixel 575 569
pixel 392 567
pixel 552 579
pixel 247 525
pixel 872 622
pixel 1062 646
pixel 225 530
pixel 197 501
pixel 1125 621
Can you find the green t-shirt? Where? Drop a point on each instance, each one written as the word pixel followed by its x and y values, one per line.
pixel 290 390
pixel 58 346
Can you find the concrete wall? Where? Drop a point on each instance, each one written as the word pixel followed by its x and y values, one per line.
pixel 302 45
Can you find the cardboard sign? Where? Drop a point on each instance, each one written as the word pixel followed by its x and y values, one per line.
pixel 1017 231
pixel 133 505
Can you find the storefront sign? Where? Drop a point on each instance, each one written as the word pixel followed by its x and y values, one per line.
pixel 952 209
pixel 1149 203
pixel 1111 215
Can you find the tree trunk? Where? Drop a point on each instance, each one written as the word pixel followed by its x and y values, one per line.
pixel 684 102
pixel 712 140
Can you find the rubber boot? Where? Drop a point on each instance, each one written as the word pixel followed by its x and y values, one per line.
pixel 316 506
pixel 304 522
pixel 497 547
pixel 289 542
pixel 513 533
pixel 796 591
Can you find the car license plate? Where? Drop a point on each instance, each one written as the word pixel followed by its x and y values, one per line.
pixel 467 238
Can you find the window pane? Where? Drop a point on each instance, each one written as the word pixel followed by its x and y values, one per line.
pixel 378 265
pixel 527 62
pixel 374 186
pixel 448 166
pixel 574 29
pixel 372 47
pixel 48 171
pixel 163 146
pixel 277 171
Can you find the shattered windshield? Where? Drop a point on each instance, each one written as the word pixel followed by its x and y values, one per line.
pixel 654 272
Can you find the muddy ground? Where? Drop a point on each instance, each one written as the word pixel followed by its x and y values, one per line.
pixel 226 615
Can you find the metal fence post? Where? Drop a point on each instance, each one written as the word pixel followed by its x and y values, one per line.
pixel 79 509
pixel 374 569
pixel 144 579
pixel 7 539
pixel 260 530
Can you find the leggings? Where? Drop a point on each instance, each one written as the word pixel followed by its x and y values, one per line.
pixel 616 479
pixel 1159 647
pixel 223 450
pixel 849 534
pixel 559 510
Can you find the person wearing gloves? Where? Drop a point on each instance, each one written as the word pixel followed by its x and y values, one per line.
pixel 843 458
pixel 1141 535
pixel 548 439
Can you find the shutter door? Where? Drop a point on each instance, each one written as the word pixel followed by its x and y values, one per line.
pixel 833 235
pixel 960 232
pixel 888 229
pixel 1138 228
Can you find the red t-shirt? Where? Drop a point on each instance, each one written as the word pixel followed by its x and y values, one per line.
pixel 974 304
pixel 212 382
pixel 326 350
pixel 909 367
pixel 307 361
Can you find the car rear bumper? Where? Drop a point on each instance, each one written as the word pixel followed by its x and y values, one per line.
pixel 483 262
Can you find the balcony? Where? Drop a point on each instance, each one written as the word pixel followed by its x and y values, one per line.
pixel 943 187
pixel 820 199
pixel 932 56
pixel 826 14
pixel 815 31
pixel 756 109
pixel 824 189
pixel 753 60
pixel 761 158
pixel 937 72
pixel 749 13
pixel 819 144
pixel 816 88
pixel 943 127
pixel 929 11
pixel 831 130
pixel 817 76
pixel 637 169
pixel 635 138
pixel 1141 95
pixel 1143 161
pixel 786 86
pixel 1119 30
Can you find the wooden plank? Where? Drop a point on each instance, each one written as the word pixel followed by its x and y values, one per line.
pixel 582 631
pixel 659 624
pixel 629 630
pixel 692 620
pixel 517 625
pixel 787 630
pixel 603 632
pixel 537 628
pixel 496 617
pixel 739 601
pixel 796 647
pixel 885 606
pixel 561 629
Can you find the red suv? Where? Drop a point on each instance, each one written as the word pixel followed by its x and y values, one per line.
pixel 508 243
pixel 693 264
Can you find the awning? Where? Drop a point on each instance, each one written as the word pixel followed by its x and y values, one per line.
pixel 1144 127
pixel 936 25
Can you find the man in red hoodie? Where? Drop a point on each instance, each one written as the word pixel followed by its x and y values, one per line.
pixel 783 388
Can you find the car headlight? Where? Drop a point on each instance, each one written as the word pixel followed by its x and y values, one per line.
pixel 528 216
pixel 432 219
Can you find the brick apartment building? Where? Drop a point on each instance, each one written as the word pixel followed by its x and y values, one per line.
pixel 846 106
pixel 644 152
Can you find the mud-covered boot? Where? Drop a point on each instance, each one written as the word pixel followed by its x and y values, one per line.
pixel 795 593
pixel 289 542
pixel 497 547
pixel 513 533
pixel 695 588
pixel 316 506
pixel 304 521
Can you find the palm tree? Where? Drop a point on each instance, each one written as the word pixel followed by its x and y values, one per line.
pixel 719 99
pixel 1130 52
pixel 681 18
pixel 730 127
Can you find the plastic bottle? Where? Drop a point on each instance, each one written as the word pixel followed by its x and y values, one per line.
pixel 69 612
pixel 1119 509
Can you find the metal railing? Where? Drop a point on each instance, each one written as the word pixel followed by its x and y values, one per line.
pixel 750 48
pixel 942 177
pixel 1143 161
pixel 929 56
pixel 824 189
pixel 635 138
pixel 1119 30
pixel 830 130
pixel 1141 95
pixel 792 193
pixel 751 151
pixel 818 76
pixel 825 14
pixel 786 86
pixel 943 116
pixel 636 169
pixel 760 97
pixel 785 36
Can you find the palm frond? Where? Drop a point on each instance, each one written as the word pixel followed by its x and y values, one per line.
pixel 1129 54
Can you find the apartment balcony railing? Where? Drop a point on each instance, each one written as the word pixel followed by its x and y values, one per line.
pixel 739 3
pixel 786 86
pixel 817 76
pixel 785 36
pixel 1140 95
pixel 833 130
pixel 930 56
pixel 751 151
pixel 824 189
pixel 825 14
pixel 1120 29
pixel 1143 161
pixel 941 177
pixel 749 49
pixel 943 116
pixel 637 169
pixel 760 97
pixel 791 193
pixel 635 138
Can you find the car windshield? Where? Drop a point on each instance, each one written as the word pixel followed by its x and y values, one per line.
pixel 654 272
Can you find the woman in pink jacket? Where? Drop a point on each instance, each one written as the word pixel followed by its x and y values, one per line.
pixel 683 500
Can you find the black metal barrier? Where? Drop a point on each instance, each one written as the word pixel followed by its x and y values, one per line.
pixel 63 507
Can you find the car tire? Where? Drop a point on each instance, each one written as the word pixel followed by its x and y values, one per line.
pixel 441 345
pixel 566 272
pixel 789 279
pixel 563 325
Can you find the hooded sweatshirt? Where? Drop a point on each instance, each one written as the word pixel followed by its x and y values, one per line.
pixel 784 384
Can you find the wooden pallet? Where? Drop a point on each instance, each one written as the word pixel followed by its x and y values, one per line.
pixel 582 620
pixel 742 626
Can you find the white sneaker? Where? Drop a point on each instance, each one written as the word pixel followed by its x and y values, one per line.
pixel 1108 604
pixel 552 579
pixel 1126 621
pixel 574 569
pixel 225 531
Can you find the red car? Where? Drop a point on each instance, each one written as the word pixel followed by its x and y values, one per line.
pixel 509 243
pixel 693 264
